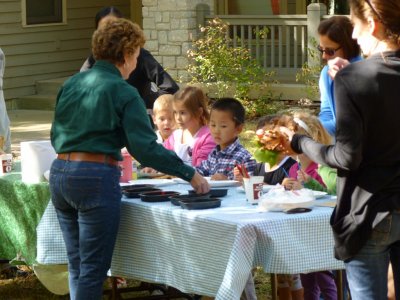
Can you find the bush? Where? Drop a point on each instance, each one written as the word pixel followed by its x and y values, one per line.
pixel 213 61
pixel 309 75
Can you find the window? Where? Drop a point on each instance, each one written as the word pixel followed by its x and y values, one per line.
pixel 48 12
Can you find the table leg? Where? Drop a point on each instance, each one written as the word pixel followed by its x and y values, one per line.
pixel 339 284
pixel 274 287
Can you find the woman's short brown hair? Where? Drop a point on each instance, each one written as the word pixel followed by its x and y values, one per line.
pixel 115 38
pixel 339 30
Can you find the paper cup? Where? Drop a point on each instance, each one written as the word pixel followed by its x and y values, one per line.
pixel 253 187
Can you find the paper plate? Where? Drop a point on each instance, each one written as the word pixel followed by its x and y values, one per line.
pixel 319 194
pixel 155 182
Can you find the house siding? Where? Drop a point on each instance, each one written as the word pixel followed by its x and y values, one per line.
pixel 46 52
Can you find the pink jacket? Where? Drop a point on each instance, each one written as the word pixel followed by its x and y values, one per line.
pixel 311 170
pixel 203 145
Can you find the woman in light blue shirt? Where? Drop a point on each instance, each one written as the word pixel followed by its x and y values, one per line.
pixel 335 41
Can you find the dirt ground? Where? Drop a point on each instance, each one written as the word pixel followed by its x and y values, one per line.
pixel 29 125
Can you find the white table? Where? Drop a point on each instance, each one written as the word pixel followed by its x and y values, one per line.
pixel 208 252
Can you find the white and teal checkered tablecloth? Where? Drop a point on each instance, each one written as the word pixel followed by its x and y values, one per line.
pixel 208 252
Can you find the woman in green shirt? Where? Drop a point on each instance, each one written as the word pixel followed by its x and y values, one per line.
pixel 98 113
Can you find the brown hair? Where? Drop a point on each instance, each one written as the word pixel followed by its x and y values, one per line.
pixel 115 38
pixel 385 11
pixel 194 100
pixel 339 30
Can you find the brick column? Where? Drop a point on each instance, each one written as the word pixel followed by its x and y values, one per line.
pixel 170 26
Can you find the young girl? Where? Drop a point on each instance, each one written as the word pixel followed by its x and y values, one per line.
pixel 192 141
pixel 303 171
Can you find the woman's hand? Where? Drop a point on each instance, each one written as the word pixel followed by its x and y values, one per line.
pixel 219 176
pixel 200 184
pixel 335 65
pixel 291 184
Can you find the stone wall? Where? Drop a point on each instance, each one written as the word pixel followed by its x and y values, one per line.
pixel 170 26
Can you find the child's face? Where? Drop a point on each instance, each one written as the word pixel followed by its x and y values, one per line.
pixel 183 118
pixel 223 129
pixel 164 120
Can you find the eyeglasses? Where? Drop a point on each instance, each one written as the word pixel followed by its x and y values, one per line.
pixel 328 51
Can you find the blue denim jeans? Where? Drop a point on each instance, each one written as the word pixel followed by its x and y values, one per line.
pixel 87 198
pixel 367 272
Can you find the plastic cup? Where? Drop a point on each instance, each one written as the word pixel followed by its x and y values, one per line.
pixel 253 187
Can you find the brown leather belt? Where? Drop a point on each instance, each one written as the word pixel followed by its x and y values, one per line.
pixel 88 157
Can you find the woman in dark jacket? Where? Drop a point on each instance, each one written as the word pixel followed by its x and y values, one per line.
pixel 366 220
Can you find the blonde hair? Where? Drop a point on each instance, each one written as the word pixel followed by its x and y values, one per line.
pixel 194 100
pixel 163 103
pixel 310 125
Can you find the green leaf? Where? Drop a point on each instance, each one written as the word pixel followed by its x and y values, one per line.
pixel 266 156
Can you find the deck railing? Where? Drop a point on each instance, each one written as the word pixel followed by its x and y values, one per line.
pixel 275 41
pixel 279 42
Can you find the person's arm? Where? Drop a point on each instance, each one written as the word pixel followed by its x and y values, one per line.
pixel 204 168
pixel 329 176
pixel 326 115
pixel 314 185
pixel 346 153
pixel 142 143
pixel 202 148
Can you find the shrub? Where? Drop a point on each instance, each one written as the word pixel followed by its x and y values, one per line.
pixel 213 61
pixel 309 75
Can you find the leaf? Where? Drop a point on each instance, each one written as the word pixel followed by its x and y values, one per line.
pixel 266 156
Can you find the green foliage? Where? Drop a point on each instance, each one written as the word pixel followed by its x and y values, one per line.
pixel 266 156
pixel 214 61
pixel 309 75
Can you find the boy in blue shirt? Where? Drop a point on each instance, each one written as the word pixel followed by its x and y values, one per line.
pixel 226 123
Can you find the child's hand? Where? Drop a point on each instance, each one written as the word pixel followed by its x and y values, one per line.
pixel 219 176
pixel 291 184
pixel 148 170
pixel 237 175
pixel 302 176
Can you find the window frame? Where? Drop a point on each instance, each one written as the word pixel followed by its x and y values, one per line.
pixel 47 20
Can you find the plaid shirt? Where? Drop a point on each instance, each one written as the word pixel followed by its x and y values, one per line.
pixel 224 161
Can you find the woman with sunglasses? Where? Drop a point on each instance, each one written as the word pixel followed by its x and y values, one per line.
pixel 366 153
pixel 334 41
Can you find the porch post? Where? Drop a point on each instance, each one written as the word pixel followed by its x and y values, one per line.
pixel 315 11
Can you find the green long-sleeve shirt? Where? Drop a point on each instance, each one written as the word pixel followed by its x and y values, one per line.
pixel 329 176
pixel 97 111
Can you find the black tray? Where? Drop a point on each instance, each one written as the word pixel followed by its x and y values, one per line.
pixel 157 196
pixel 175 200
pixel 135 193
pixel 214 193
pixel 200 203
pixel 136 186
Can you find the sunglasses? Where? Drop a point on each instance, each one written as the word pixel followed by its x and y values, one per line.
pixel 328 51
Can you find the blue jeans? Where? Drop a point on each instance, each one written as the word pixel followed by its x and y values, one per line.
pixel 87 198
pixel 367 272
